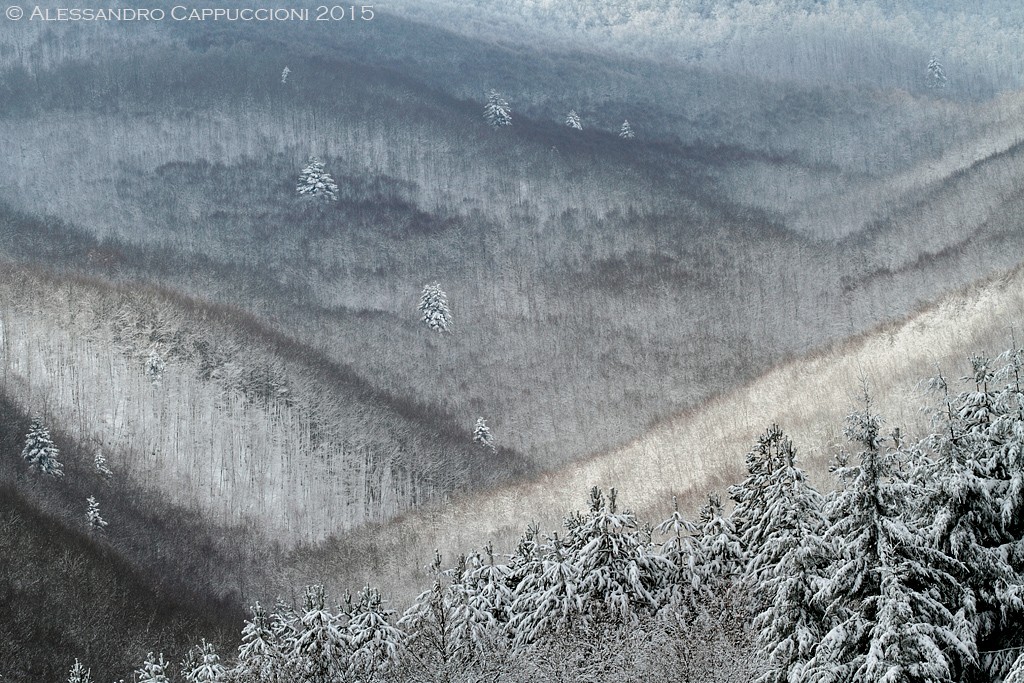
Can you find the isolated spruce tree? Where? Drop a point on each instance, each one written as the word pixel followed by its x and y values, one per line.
pixel 482 435
pixel 100 464
pixel 92 515
pixel 626 131
pixel 79 674
pixel 259 655
pixel 434 309
pixel 316 182
pixel 895 610
pixel 936 74
pixel 153 670
pixel 573 120
pixel 496 111
pixel 40 452
pixel 284 74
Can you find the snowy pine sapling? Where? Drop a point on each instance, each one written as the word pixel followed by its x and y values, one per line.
pixel 92 515
pixel 40 452
pixel 496 111
pixel 153 670
pixel 626 131
pixel 434 309
pixel 573 120
pixel 284 75
pixel 482 435
pixel 316 182
pixel 100 463
pixel 936 74
pixel 79 674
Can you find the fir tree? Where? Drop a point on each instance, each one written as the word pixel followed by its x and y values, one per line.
pixel 259 656
pixel 573 120
pixel 79 674
pixel 436 626
pixel 547 601
pixel 316 182
pixel 154 670
pixel 100 463
pixel 92 515
pixel 482 435
pixel 720 560
pixel 936 74
pixel 207 667
pixel 488 599
pixel 895 609
pixel 752 525
pixel 496 111
pixel 626 131
pixel 374 643
pixel 284 75
pixel 316 652
pixel 434 308
pixel 40 452
pixel 680 553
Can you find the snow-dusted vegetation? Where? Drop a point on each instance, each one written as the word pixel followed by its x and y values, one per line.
pixel 302 367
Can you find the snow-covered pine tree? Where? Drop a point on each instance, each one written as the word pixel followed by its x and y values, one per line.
pixel 259 655
pixel 720 560
pixel 317 652
pixel 488 600
pixel 153 670
pixel 155 366
pixel 100 463
pixel 573 120
pixel 974 509
pixel 895 610
pixel 750 495
pixel 617 578
pixel 284 74
pixel 92 515
pixel 546 601
pixel 374 644
pixel 40 452
pixel 79 674
pixel 936 74
pixel 434 308
pixel 496 111
pixel 482 435
pixel 207 666
pixel 626 132
pixel 679 552
pixel 316 182
pixel 435 625
pixel 790 568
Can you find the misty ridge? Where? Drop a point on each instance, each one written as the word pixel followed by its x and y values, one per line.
pixel 314 333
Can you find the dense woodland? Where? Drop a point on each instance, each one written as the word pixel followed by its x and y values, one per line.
pixel 276 299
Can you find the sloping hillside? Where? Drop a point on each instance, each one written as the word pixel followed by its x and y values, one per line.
pixel 701 451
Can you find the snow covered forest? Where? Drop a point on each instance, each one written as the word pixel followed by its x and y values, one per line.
pixel 312 334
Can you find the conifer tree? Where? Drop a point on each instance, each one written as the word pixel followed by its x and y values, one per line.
pixel 895 609
pixel 720 560
pixel 207 667
pixel 496 111
pixel 679 551
pixel 40 452
pixel 374 643
pixel 487 597
pixel 317 651
pixel 573 120
pixel 936 74
pixel 284 74
pixel 259 655
pixel 92 515
pixel 155 366
pixel 153 670
pixel 434 308
pixel 482 435
pixel 316 182
pixel 100 463
pixel 79 674
pixel 435 626
pixel 752 525
pixel 626 131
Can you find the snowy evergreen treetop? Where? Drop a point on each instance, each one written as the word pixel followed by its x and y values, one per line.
pixel 316 182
